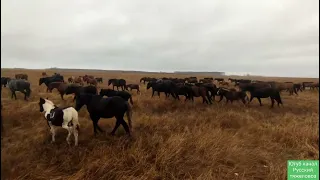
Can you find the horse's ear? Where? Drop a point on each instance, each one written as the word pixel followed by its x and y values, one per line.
pixel 42 101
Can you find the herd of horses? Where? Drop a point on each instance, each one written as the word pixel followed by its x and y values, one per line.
pixel 117 102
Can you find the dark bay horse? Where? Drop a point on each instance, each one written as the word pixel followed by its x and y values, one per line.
pixel 77 90
pixel 99 107
pixel 118 83
pixel 5 81
pixel 48 80
pixel 133 86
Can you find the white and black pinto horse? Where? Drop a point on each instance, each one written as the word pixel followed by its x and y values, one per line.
pixel 66 118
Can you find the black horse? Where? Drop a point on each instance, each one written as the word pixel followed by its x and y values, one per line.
pixel 99 107
pixel 263 92
pixel 165 86
pixel 110 93
pixel 5 81
pixel 20 85
pixel 182 89
pixel 118 83
pixel 48 80
pixel 77 90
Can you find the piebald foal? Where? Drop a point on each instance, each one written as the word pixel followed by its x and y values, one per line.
pixel 66 118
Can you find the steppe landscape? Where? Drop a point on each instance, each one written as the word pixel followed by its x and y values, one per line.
pixel 171 139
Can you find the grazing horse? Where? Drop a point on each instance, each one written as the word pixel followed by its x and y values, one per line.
pixel 110 93
pixel 70 79
pixel 118 83
pixel 89 80
pixel 99 107
pixel 60 86
pixel 44 74
pixel 99 79
pixel 20 85
pixel 5 81
pixel 133 86
pixel 77 90
pixel 48 80
pixel 66 118
pixel 232 95
pixel 21 76
pixel 264 92
pixel 147 79
pixel 78 80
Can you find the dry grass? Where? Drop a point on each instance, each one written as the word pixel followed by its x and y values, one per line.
pixel 172 140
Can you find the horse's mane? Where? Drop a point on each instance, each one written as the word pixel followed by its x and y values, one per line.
pixel 50 102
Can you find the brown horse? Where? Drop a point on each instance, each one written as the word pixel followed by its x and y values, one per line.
pixel 285 86
pixel 78 80
pixel 232 95
pixel 60 86
pixel 205 80
pixel 133 86
pixel 200 91
pixel 70 80
pixel 90 80
pixel 21 76
pixel 44 74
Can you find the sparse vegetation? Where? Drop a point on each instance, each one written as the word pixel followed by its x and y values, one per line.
pixel 172 140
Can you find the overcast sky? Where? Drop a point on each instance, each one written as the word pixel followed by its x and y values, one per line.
pixel 263 37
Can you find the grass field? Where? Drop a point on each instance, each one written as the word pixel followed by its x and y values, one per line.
pixel 171 139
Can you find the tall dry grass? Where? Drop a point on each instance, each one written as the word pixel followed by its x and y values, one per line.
pixel 172 140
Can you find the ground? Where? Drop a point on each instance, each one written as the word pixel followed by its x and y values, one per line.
pixel 171 140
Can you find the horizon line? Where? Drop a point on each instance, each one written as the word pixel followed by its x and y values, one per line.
pixel 166 72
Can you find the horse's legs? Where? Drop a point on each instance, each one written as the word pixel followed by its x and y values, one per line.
pixel 259 101
pixel 15 96
pixel 115 127
pixel 152 93
pixel 12 94
pixel 53 134
pixel 125 126
pixel 272 102
pixel 69 134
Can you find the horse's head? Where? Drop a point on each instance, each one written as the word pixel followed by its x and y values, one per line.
pixel 44 104
pixel 42 80
pixel 149 85
pixel 110 81
pixel 82 99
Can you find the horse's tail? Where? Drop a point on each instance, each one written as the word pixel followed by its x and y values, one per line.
pixel 131 100
pixel 129 115
pixel 75 120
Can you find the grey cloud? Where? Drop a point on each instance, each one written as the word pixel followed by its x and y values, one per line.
pixel 276 37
